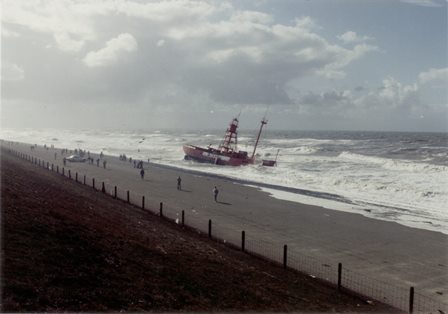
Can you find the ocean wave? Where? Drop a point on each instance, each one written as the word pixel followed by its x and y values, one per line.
pixel 393 164
pixel 298 150
pixel 310 141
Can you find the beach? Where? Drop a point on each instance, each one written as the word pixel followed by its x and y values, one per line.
pixel 66 247
pixel 385 251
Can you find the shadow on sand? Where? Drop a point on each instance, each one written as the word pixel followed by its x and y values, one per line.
pixel 224 203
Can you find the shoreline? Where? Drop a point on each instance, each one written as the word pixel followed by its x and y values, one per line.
pixel 419 217
pixel 325 200
pixel 379 249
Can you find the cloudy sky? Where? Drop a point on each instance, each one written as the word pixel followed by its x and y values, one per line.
pixel 315 65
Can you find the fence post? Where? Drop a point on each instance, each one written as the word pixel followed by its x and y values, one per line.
pixel 161 209
pixel 69 174
pixel 411 300
pixel 285 255
pixel 115 192
pixel 93 183
pixel 76 176
pixel 339 276
pixel 209 228
pixel 183 217
pixel 103 188
pixel 52 168
pixel 63 171
pixel 243 240
pixel 84 181
pixel 128 196
pixel 143 202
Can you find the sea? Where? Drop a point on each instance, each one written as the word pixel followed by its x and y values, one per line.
pixel 392 176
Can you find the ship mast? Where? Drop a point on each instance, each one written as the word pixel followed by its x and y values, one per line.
pixel 230 141
pixel 263 122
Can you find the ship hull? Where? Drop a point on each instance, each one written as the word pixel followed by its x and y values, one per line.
pixel 269 163
pixel 214 156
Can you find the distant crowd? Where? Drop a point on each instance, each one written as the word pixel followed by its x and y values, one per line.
pixel 138 164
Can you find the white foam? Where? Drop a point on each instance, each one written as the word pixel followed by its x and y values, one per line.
pixel 375 212
pixel 394 164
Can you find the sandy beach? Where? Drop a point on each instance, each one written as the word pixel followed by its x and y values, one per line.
pixel 384 251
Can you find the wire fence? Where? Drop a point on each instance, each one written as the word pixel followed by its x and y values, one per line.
pixel 344 279
pixel 377 290
pixel 314 267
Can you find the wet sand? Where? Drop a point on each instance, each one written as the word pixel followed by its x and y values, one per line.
pixel 386 251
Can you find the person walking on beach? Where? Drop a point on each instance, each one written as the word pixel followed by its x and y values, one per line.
pixel 64 161
pixel 104 164
pixel 215 193
pixel 142 173
pixel 55 154
pixel 179 181
pixel 97 162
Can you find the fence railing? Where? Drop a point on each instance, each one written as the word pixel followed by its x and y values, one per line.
pixel 403 298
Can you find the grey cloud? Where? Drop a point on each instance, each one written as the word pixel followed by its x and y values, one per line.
pixel 232 56
pixel 187 59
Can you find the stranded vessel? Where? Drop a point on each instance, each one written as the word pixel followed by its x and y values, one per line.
pixel 227 153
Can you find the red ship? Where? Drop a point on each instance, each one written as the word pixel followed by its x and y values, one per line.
pixel 227 153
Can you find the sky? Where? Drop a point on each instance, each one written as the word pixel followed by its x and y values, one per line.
pixel 375 65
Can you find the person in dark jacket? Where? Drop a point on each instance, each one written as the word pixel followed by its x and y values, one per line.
pixel 215 193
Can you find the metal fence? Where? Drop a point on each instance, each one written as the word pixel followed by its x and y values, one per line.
pixel 402 298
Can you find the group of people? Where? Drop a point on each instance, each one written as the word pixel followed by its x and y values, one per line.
pixel 64 151
pixel 81 152
pixel 137 164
